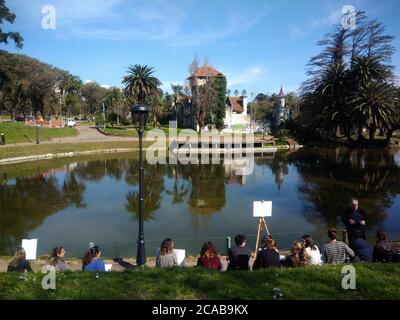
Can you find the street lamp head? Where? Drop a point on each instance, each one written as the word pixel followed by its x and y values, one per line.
pixel 139 114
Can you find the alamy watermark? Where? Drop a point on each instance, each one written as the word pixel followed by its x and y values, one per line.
pixel 349 277
pixel 191 147
pixel 49 18
pixel 49 280
pixel 349 19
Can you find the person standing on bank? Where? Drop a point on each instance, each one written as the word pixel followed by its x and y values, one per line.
pixel 354 218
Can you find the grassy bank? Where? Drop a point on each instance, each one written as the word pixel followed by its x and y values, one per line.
pixel 20 151
pixel 16 132
pixel 374 281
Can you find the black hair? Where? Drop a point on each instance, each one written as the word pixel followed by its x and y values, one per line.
pixel 90 254
pixel 240 239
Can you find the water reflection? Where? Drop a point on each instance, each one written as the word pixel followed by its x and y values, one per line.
pixel 312 188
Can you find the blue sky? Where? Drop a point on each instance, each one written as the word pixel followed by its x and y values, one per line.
pixel 257 44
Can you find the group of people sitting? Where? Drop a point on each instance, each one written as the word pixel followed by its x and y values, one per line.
pixel 90 262
pixel 302 253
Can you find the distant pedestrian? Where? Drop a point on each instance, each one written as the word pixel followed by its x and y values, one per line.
pixel 57 259
pixel 209 258
pixel 92 262
pixel 239 256
pixel 19 262
pixel 354 217
pixel 336 251
pixel 166 257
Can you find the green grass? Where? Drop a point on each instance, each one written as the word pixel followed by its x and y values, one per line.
pixel 16 132
pixel 34 149
pixel 374 281
pixel 5 117
pixel 131 132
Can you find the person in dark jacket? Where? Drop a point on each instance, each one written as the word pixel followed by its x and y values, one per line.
pixel 361 248
pixel 383 248
pixel 19 263
pixel 268 257
pixel 354 217
pixel 239 256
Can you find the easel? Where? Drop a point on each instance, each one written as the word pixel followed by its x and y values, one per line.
pixel 261 223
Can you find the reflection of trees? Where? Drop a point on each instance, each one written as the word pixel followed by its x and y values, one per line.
pixel 152 190
pixel 95 170
pixel 74 189
pixel 181 186
pixel 331 177
pixel 208 191
pixel 27 202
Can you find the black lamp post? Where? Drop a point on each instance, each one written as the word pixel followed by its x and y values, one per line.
pixel 139 114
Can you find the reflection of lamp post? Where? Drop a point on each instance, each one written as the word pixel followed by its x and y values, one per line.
pixel 37 127
pixel 139 114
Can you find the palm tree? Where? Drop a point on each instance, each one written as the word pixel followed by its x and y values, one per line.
pixel 177 97
pixel 228 92
pixel 375 106
pixel 140 83
pixel 244 93
pixel 236 92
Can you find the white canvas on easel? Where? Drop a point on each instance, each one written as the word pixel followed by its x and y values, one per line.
pixel 108 267
pixel 180 255
pixel 262 209
pixel 30 246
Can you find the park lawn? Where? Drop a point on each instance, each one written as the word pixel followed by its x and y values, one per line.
pixel 5 117
pixel 374 281
pixel 41 149
pixel 131 132
pixel 16 132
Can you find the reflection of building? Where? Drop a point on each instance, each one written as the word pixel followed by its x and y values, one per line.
pixel 231 176
pixel 281 109
pixel 236 111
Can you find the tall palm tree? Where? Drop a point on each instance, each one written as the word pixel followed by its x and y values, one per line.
pixel 140 83
pixel 177 94
pixel 236 92
pixel 375 105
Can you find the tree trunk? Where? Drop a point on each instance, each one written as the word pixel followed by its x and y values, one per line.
pixel 389 136
pixel 372 134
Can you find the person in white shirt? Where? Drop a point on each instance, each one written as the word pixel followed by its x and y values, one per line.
pixel 313 253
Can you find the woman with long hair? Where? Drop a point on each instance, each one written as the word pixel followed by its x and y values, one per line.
pixel 92 262
pixel 57 259
pixel 298 257
pixel 209 258
pixel 166 257
pixel 19 262
pixel 313 253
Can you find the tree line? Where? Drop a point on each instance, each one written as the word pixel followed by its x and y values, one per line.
pixel 351 88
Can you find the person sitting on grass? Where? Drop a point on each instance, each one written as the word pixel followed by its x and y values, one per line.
pixel 19 262
pixel 57 259
pixel 166 257
pixel 313 254
pixel 298 257
pixel 209 258
pixel 268 257
pixel 92 262
pixel 336 251
pixel 383 248
pixel 361 248
pixel 239 256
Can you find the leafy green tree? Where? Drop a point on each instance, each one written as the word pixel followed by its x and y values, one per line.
pixel 140 83
pixel 8 16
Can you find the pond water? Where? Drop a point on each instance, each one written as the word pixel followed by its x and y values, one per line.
pixel 94 199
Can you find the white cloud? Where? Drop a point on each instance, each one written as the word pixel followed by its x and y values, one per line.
pixel 244 76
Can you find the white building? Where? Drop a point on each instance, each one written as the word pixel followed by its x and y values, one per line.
pixel 281 110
